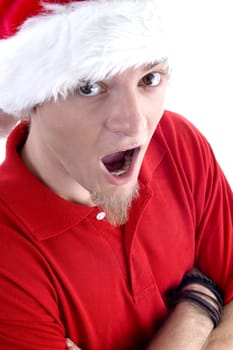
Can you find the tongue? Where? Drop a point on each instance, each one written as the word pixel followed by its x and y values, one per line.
pixel 112 158
pixel 115 161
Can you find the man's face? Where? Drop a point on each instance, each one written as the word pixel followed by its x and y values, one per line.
pixel 92 144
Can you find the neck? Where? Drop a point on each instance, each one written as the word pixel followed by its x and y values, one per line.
pixel 42 164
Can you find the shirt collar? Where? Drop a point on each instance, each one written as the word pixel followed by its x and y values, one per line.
pixel 34 205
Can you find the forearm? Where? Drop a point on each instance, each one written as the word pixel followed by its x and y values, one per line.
pixel 198 306
pixel 189 328
pixel 186 328
pixel 221 338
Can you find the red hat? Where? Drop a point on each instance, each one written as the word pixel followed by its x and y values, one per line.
pixel 47 48
pixel 14 13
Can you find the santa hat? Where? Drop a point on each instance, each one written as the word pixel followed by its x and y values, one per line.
pixel 47 48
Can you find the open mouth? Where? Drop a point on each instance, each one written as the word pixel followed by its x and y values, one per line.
pixel 119 163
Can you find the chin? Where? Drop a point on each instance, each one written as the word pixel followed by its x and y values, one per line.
pixel 116 203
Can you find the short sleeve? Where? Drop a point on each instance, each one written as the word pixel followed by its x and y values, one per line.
pixel 209 197
pixel 29 315
pixel 214 239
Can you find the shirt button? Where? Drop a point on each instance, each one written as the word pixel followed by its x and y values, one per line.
pixel 101 215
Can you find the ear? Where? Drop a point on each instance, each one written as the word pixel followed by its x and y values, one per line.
pixel 7 122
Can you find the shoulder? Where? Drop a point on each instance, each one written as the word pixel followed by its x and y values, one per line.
pixel 175 128
pixel 188 156
pixel 183 141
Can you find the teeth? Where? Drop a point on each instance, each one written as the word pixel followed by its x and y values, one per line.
pixel 118 172
pixel 125 167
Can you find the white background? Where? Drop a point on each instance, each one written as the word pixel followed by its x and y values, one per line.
pixel 200 35
pixel 201 88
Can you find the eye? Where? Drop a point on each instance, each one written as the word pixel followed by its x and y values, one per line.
pixel 89 89
pixel 151 79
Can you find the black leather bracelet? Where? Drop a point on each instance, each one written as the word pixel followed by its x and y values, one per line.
pixel 198 278
pixel 211 305
pixel 196 298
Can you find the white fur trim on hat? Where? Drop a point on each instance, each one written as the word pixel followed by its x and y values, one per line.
pixel 87 40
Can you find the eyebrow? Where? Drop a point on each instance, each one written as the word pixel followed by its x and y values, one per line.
pixel 155 64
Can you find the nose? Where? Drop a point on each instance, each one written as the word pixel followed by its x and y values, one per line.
pixel 126 115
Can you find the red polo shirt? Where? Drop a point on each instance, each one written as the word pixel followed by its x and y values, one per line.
pixel 65 272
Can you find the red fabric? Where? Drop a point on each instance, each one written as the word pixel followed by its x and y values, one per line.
pixel 64 273
pixel 14 12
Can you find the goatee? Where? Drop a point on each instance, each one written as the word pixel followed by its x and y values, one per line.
pixel 116 207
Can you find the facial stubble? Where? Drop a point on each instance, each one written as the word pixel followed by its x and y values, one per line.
pixel 116 207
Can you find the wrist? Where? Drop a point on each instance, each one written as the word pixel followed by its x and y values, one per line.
pixel 187 327
pixel 194 316
pixel 201 293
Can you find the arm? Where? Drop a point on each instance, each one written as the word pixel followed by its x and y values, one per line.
pixel 198 308
pixel 190 324
pixel 29 316
pixel 221 338
pixel 188 328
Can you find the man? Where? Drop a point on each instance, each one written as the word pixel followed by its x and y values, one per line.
pixel 107 200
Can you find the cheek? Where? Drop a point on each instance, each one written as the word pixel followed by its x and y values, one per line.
pixel 74 146
pixel 59 138
pixel 61 130
pixel 154 117
pixel 156 109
